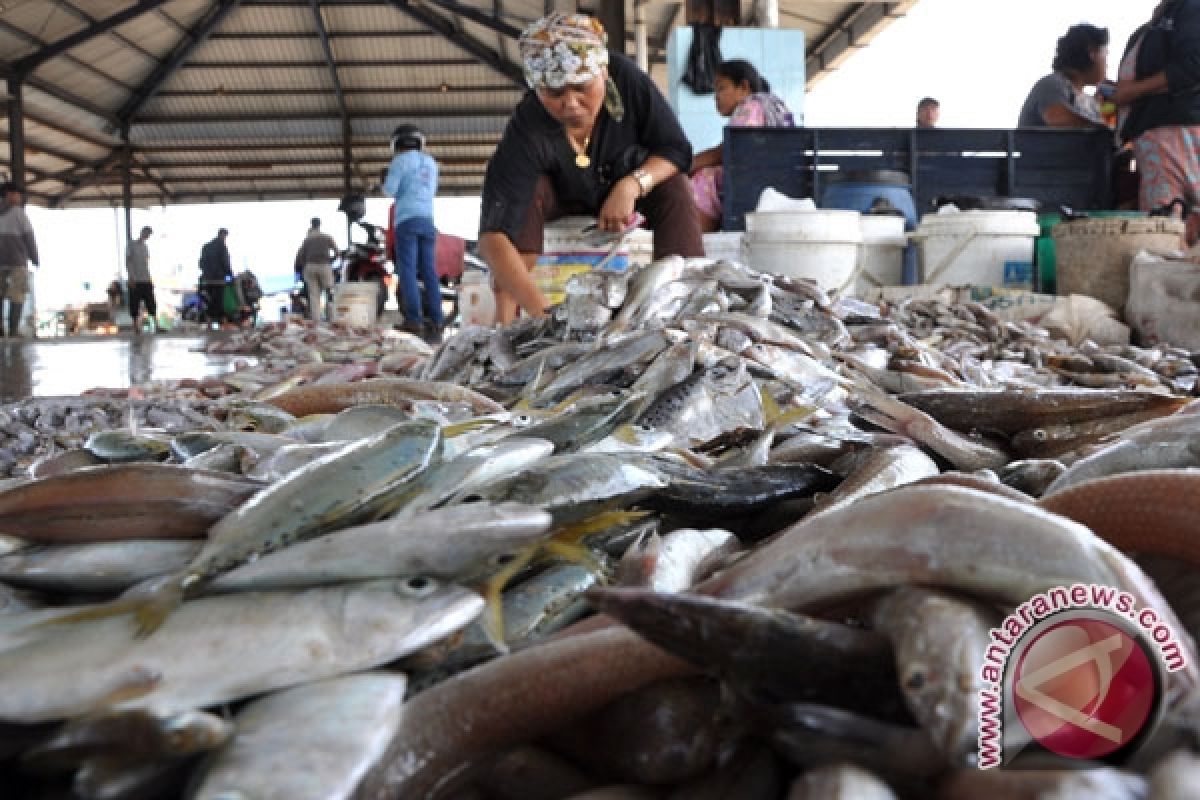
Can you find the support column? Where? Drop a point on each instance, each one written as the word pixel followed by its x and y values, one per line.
pixel 127 183
pixel 347 158
pixel 766 13
pixel 611 14
pixel 641 44
pixel 16 132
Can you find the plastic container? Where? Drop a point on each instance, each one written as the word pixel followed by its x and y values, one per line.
pixel 565 252
pixel 1047 271
pixel 354 303
pixel 970 248
pixel 825 226
pixel 726 245
pixel 862 190
pixel 882 254
pixel 822 246
pixel 1093 255
pixel 476 301
pixel 858 190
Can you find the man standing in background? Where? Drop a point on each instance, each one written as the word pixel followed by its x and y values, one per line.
pixel 216 272
pixel 141 286
pixel 17 249
pixel 315 258
pixel 928 111
pixel 412 180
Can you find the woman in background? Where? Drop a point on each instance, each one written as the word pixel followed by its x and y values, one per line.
pixel 1158 102
pixel 745 97
pixel 1058 100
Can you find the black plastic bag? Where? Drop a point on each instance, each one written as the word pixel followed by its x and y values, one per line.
pixel 703 58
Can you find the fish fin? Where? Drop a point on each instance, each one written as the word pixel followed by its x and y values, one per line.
pixel 493 590
pixel 770 408
pixel 625 435
pixel 578 531
pixel 466 426
pixel 113 608
pixel 793 415
pixel 692 458
pixel 139 681
pixel 153 607
pixel 575 554
pixel 568 401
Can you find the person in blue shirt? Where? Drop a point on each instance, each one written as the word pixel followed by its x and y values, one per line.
pixel 412 180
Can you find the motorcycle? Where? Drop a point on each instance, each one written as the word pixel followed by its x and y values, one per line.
pixel 363 261
pixel 366 261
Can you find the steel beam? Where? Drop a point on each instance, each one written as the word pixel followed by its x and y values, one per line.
pixel 32 61
pixel 474 47
pixel 163 72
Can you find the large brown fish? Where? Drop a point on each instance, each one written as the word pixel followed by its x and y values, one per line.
pixel 132 501
pixel 332 398
pixel 1156 512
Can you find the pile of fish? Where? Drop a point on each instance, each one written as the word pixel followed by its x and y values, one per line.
pixel 700 533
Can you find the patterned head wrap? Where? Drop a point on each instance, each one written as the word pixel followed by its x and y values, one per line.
pixel 561 49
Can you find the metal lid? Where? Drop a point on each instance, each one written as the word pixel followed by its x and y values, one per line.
pixel 891 177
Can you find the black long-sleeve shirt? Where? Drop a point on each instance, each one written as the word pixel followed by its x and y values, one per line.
pixel 535 144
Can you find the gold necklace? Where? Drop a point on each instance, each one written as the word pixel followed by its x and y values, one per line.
pixel 582 160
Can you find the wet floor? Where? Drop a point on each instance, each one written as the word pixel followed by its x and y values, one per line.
pixel 71 366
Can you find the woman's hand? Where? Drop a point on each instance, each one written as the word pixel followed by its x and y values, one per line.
pixel 1130 90
pixel 618 206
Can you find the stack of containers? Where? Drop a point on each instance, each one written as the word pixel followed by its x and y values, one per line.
pixel 566 252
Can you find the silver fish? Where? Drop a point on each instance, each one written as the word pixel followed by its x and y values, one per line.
pixel 470 542
pixel 348 721
pixel 210 651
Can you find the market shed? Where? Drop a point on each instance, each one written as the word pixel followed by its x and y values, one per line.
pixel 150 102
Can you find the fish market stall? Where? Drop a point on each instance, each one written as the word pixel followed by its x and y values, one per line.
pixel 701 532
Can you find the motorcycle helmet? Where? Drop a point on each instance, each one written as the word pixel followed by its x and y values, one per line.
pixel 354 206
pixel 407 137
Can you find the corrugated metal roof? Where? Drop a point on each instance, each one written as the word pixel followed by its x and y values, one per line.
pixel 251 99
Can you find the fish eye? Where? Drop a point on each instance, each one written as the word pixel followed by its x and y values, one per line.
pixel 418 586
pixel 503 559
pixel 522 420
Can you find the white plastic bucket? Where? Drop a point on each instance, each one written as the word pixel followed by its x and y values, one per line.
pixel 970 248
pixel 476 301
pixel 726 246
pixel 825 225
pixel 822 246
pixel 882 252
pixel 565 252
pixel 354 303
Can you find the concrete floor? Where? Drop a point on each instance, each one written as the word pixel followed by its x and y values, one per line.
pixel 71 365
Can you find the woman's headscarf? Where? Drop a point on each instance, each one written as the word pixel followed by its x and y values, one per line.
pixel 561 49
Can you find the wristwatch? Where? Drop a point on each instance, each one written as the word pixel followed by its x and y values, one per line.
pixel 645 180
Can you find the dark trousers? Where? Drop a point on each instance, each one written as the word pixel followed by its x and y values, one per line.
pixel 142 292
pixel 669 210
pixel 214 296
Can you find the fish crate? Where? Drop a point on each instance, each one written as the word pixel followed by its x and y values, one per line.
pixel 566 252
